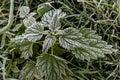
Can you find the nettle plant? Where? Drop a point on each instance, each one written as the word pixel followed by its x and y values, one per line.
pixel 49 33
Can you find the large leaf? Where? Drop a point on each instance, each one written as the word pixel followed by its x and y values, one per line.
pixel 70 38
pixel 29 21
pixel 92 46
pixel 48 42
pixel 24 10
pixel 34 32
pixel 29 71
pixel 52 67
pixel 55 23
pixel 25 46
pixel 47 17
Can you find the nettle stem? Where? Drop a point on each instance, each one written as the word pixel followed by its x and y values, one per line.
pixel 11 17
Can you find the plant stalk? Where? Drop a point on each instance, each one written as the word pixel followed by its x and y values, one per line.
pixel 10 21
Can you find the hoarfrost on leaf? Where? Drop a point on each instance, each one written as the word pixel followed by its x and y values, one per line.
pixel 24 10
pixel 48 42
pixel 34 32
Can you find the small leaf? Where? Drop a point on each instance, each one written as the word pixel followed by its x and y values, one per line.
pixel 14 68
pixel 24 10
pixel 70 38
pixel 29 71
pixel 43 8
pixel 52 67
pixel 29 21
pixel 48 42
pixel 34 32
pixel 47 17
pixel 31 14
pixel 17 27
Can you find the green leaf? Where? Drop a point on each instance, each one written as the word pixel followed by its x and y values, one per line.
pixel 47 17
pixel 92 46
pixel 25 46
pixel 43 8
pixel 24 10
pixel 19 60
pixel 70 38
pixel 34 32
pixel 29 21
pixel 57 50
pixel 52 67
pixel 14 68
pixel 29 71
pixel 48 42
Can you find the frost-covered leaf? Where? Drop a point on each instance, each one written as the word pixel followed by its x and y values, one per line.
pixel 60 32
pixel 70 38
pixel 24 10
pixel 43 8
pixel 47 17
pixel 31 14
pixel 29 71
pixel 18 39
pixel 34 32
pixel 17 27
pixel 92 46
pixel 29 21
pixel 26 49
pixel 52 67
pixel 55 23
pixel 48 42
pixel 25 46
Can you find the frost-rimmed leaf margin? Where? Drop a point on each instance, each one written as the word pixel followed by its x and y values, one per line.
pixel 51 66
pixel 24 10
pixel 92 46
pixel 48 42
pixel 70 38
pixel 47 17
pixel 34 32
pixel 25 46
pixel 29 21
pixel 29 71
